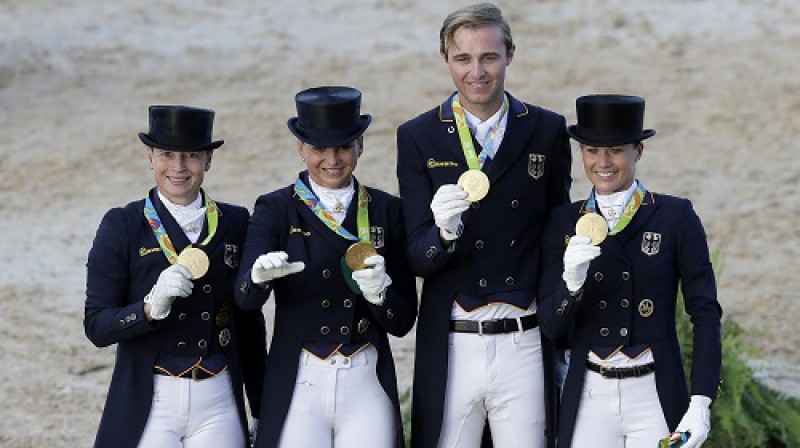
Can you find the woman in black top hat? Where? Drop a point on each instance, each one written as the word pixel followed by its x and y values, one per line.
pixel 331 250
pixel 613 263
pixel 159 280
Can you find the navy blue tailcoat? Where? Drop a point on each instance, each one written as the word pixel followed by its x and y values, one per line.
pixel 316 305
pixel 629 299
pixel 123 265
pixel 499 249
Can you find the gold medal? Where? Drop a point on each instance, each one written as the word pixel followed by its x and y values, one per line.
pixel 593 226
pixel 475 183
pixel 357 253
pixel 195 260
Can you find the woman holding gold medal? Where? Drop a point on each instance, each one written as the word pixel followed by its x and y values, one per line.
pixel 613 264
pixel 159 280
pixel 331 250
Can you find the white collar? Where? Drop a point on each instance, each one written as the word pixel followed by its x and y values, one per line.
pixel 335 200
pixel 190 217
pixel 172 207
pixel 495 120
pixel 618 199
pixel 319 190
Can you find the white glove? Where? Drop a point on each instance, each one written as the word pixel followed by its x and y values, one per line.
pixel 447 205
pixel 696 421
pixel 173 282
pixel 274 265
pixel 577 257
pixel 373 281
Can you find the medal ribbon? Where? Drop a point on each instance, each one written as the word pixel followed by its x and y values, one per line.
pixel 630 209
pixel 319 210
pixel 474 162
pixel 212 215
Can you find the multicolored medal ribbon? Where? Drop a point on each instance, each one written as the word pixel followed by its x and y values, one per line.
pixel 474 162
pixel 627 214
pixel 212 215
pixel 362 248
pixel 319 210
pixel 474 181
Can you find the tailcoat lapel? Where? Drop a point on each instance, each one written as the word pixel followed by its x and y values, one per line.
pixel 448 132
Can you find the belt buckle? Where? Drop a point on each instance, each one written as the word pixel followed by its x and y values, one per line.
pixel 610 373
pixel 480 328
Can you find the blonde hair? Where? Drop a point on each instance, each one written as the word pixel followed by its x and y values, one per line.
pixel 473 17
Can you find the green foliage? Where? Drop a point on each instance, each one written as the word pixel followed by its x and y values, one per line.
pixel 746 413
pixel 405 414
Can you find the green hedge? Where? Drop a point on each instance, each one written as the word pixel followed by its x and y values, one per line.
pixel 746 413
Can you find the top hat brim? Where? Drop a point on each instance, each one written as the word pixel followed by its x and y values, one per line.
pixel 331 138
pixel 155 144
pixel 600 140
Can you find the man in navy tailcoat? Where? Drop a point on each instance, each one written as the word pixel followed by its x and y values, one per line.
pixel 479 354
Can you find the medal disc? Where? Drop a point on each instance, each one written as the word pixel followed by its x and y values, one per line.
pixel 195 260
pixel 593 226
pixel 357 253
pixel 475 183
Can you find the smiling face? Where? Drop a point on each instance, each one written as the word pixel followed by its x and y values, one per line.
pixel 477 59
pixel 611 169
pixel 331 167
pixel 179 175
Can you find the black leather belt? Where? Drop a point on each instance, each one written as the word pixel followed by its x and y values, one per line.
pixel 496 326
pixel 195 373
pixel 622 372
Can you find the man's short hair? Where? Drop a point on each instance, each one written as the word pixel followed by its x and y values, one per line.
pixel 474 17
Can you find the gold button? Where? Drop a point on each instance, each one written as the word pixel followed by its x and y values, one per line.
pixel 326 303
pixel 202 343
pixel 348 303
pixel 625 303
pixel 344 330
pixel 598 276
pixel 479 244
pixel 482 282
pixel 604 331
pixel 326 273
pixel 324 329
pixel 602 304
pixel 626 275
pixel 205 315
pixel 207 289
pixel 515 204
pixel 510 281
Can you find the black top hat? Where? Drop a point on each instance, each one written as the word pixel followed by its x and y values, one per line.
pixel 180 128
pixel 609 120
pixel 328 117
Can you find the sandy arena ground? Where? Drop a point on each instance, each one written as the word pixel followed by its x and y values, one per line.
pixel 720 77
